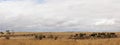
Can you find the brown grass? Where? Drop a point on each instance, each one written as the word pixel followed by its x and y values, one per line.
pixel 110 41
pixel 115 41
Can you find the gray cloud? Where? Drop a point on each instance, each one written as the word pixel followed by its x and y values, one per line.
pixel 60 15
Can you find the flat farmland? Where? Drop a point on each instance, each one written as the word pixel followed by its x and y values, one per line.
pixel 63 39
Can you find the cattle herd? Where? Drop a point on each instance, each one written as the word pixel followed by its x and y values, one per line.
pixel 93 36
pixel 75 36
pixel 40 37
pixel 81 36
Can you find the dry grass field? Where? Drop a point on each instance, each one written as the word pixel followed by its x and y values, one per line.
pixel 29 40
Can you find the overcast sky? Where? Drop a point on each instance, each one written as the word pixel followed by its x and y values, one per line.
pixel 60 15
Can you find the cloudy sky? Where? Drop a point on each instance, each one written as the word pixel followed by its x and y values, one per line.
pixel 60 15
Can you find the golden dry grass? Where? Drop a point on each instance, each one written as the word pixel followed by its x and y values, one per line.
pixel 108 41
pixel 115 41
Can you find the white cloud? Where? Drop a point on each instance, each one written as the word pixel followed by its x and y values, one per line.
pixel 106 22
pixel 53 15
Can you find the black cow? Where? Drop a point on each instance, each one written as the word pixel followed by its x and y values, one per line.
pixel 39 37
pixel 78 36
pixel 82 35
pixel 111 35
pixel 93 35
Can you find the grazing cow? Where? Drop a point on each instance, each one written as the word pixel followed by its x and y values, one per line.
pixel 82 35
pixel 52 37
pixel 111 35
pixel 6 37
pixel 55 38
pixel 98 35
pixel 101 35
pixel 39 37
pixel 78 36
pixel 74 36
pixel 93 35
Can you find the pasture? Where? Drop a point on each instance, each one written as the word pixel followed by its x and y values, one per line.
pixel 63 38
